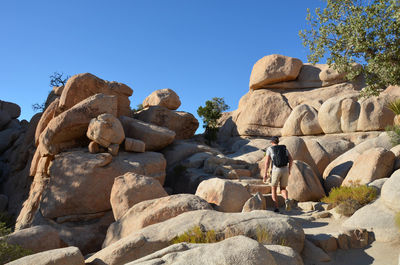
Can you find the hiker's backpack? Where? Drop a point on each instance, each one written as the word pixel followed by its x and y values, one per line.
pixel 280 158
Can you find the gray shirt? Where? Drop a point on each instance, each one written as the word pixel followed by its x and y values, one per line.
pixel 271 154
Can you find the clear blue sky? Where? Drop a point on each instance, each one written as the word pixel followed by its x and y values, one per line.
pixel 199 48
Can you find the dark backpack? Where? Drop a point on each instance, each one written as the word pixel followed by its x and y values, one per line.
pixel 280 158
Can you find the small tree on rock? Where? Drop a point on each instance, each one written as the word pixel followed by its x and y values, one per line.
pixel 210 113
pixel 366 32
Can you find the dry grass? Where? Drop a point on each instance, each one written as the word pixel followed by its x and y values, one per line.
pixel 199 235
pixel 350 199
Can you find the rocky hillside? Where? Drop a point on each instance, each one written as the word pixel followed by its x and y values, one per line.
pixel 90 181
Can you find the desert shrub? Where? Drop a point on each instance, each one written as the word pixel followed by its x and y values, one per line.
pixel 350 199
pixel 394 134
pixel 397 219
pixel 198 235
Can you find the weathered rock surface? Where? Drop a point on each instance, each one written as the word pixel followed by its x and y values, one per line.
pixel 47 115
pixel 262 113
pixel 151 212
pixel 303 120
pixel 227 195
pixel 154 137
pixel 312 76
pixel 68 128
pixel 284 255
pixel 133 145
pixel 81 86
pixel 92 177
pixel 273 69
pixel 157 236
pixel 312 253
pixel 374 163
pixel 164 98
pixel 182 123
pixel 130 189
pixel 375 217
pixel 337 170
pixel 235 250
pixel 256 202
pixel 105 129
pixel 303 184
pixel 390 193
pixel 36 238
pixel 61 256
pixel 11 108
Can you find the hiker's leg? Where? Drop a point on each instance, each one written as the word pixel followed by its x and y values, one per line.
pixel 284 181
pixel 274 186
pixel 284 192
pixel 274 196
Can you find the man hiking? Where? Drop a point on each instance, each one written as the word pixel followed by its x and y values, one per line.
pixel 281 166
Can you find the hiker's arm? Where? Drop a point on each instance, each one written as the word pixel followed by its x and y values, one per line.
pixel 266 167
pixel 290 163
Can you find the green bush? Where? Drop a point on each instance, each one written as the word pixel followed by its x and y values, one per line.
pixel 210 114
pixel 350 199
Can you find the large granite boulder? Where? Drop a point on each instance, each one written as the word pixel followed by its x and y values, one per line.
pixel 81 86
pixel 226 195
pixel 158 236
pixel 61 256
pixel 303 120
pixel 235 250
pixel 374 163
pixel 105 129
pixel 92 178
pixel 261 113
pixel 304 185
pixel 272 69
pixel 47 116
pixel 130 189
pixel 151 212
pixel 390 193
pixel 182 123
pixel 69 128
pixel 312 76
pixel 337 170
pixel 37 238
pixel 164 98
pixel 154 137
pixel 12 109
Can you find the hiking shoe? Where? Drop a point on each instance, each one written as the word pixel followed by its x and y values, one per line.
pixel 276 210
pixel 288 205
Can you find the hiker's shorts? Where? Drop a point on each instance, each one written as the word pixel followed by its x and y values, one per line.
pixel 280 175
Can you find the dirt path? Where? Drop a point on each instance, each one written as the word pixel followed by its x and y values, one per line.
pixel 377 253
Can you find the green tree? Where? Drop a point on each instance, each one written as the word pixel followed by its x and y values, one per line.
pixel 366 32
pixel 210 114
